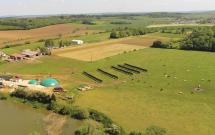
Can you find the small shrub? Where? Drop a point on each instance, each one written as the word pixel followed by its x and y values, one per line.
pixel 100 117
pixel 2 97
pixel 41 40
pixel 114 35
pixel 27 42
pixel 67 110
pixel 20 93
pixel 88 22
pixel 32 96
pixel 53 97
pixel 81 114
pixel 7 46
pixel 82 131
pixel 157 44
pixel 120 22
pixel 135 133
pixel 54 107
pixel 114 130
pixel 38 96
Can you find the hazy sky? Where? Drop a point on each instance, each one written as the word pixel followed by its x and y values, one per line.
pixel 38 7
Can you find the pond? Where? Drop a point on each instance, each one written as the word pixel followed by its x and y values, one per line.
pixel 19 119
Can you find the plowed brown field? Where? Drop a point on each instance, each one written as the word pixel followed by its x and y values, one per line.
pixel 42 33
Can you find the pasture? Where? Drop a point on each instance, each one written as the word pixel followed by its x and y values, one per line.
pixel 164 96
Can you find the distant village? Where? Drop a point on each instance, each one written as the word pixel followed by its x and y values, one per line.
pixel 194 21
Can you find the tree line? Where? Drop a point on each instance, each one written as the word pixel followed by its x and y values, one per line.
pixel 202 39
pixel 126 32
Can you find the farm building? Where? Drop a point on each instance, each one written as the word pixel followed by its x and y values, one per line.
pixel 30 54
pixel 16 57
pixel 77 42
pixel 49 82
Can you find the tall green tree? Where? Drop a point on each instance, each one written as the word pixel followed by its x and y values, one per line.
pixel 49 43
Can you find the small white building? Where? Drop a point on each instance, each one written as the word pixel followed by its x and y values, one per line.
pixel 77 42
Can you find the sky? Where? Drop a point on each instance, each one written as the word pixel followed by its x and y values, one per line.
pixel 44 7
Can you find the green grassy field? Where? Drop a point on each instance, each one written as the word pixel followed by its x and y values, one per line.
pixel 19 48
pixel 9 27
pixel 139 102
pixel 142 100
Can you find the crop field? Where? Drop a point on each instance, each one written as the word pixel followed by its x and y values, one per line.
pixel 43 33
pixel 93 52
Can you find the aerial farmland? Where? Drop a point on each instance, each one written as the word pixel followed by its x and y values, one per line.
pixel 108 74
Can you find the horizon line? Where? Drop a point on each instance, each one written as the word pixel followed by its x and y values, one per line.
pixel 106 13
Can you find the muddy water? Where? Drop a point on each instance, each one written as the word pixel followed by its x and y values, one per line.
pixel 18 119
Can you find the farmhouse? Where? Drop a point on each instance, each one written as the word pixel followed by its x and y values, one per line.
pixel 77 42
